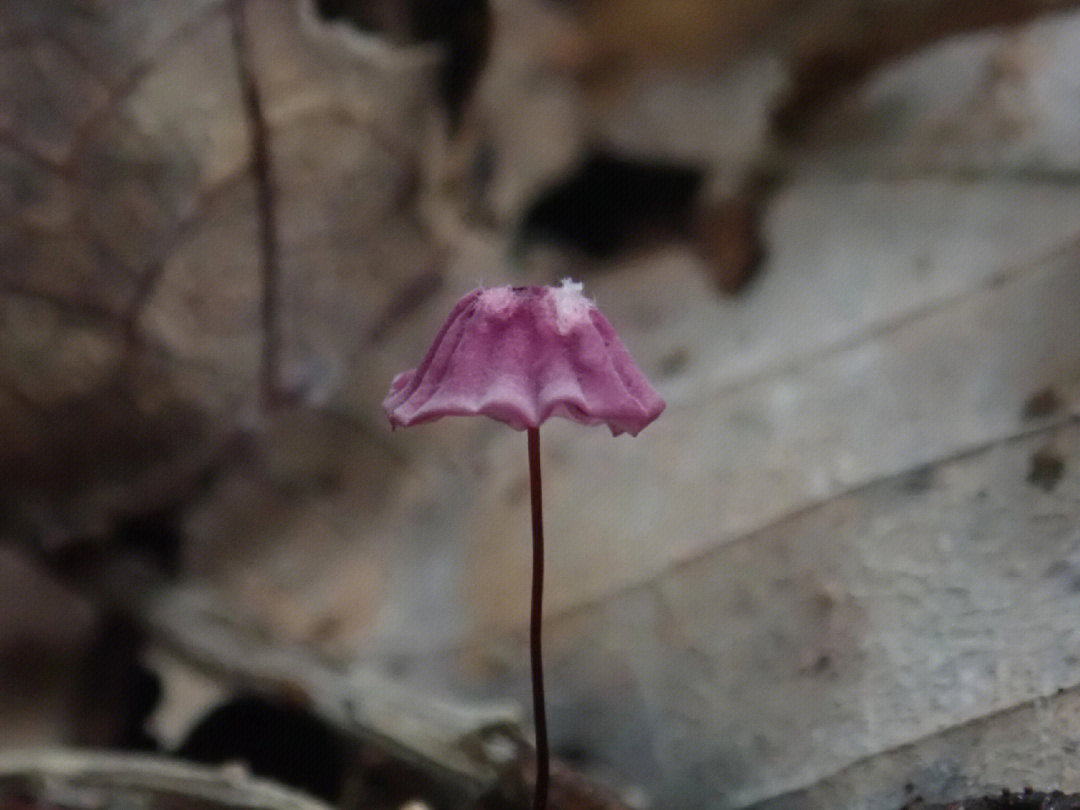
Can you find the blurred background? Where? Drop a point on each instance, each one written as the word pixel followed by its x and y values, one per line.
pixel 841 237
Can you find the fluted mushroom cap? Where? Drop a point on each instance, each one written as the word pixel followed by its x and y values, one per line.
pixel 521 355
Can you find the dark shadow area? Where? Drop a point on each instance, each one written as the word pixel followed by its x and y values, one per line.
pixel 461 27
pixel 115 692
pixel 274 740
pixel 611 202
pixel 283 741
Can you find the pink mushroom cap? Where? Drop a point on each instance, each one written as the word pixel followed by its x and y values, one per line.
pixel 521 355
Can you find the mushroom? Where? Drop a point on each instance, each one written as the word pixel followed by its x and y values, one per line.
pixel 521 355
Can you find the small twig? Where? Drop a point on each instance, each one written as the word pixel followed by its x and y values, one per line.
pixel 266 194
pixel 64 776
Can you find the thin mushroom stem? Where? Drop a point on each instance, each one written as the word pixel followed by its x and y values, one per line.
pixel 535 660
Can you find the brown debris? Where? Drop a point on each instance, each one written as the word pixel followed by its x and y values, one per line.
pixel 727 235
pixel 1046 470
pixel 1028 799
pixel 832 59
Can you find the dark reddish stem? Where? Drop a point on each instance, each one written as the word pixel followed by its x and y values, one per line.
pixel 535 660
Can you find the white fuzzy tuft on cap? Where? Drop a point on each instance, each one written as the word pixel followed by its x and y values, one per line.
pixel 571 306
